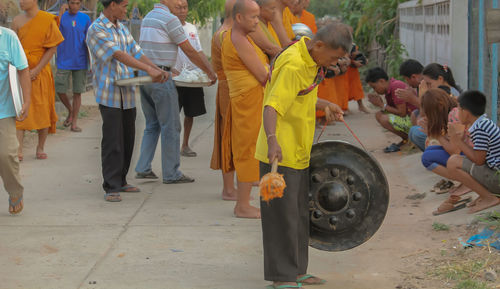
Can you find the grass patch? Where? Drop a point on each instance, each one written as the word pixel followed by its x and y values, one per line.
pixel 472 284
pixel 491 219
pixel 82 114
pixel 440 227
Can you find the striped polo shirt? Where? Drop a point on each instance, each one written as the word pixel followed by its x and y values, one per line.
pixel 161 33
pixel 485 135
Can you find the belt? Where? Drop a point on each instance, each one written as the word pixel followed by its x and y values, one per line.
pixel 165 68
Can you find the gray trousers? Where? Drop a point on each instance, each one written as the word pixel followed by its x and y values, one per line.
pixel 285 227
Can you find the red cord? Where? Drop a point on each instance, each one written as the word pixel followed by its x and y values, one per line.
pixel 354 135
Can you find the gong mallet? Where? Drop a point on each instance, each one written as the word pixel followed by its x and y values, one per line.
pixel 272 184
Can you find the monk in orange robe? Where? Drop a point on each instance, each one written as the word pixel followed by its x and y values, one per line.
pixel 246 69
pixel 307 17
pixel 39 35
pixel 282 23
pixel 356 91
pixel 266 40
pixel 222 157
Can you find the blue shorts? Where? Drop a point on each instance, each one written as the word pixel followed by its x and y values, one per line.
pixel 435 156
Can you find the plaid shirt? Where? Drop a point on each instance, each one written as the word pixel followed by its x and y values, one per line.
pixel 104 39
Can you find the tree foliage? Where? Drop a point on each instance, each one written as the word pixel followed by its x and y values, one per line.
pixel 200 11
pixel 321 8
pixel 375 21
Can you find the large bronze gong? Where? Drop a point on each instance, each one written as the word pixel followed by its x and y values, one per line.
pixel 348 196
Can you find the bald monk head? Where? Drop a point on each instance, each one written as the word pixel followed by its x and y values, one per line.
pixel 288 3
pixel 246 15
pixel 331 43
pixel 268 9
pixel 297 7
pixel 306 4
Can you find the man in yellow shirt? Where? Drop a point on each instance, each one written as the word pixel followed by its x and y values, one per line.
pixel 287 133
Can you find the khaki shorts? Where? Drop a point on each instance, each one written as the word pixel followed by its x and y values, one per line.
pixel 79 78
pixel 489 178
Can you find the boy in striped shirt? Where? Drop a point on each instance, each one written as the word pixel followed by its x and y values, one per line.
pixel 478 168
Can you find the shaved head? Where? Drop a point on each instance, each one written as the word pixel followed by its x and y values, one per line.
pixel 335 35
pixel 264 2
pixel 229 8
pixel 242 6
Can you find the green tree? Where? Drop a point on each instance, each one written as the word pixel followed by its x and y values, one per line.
pixel 375 21
pixel 321 8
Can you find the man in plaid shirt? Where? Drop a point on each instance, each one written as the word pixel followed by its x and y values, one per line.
pixel 115 54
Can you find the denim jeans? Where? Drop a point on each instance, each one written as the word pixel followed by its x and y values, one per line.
pixel 417 137
pixel 160 105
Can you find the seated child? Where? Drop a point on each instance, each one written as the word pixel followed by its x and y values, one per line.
pixel 411 71
pixel 478 168
pixel 395 113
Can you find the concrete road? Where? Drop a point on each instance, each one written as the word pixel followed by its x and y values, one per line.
pixel 178 236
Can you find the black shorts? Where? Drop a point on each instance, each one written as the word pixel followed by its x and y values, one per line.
pixel 192 99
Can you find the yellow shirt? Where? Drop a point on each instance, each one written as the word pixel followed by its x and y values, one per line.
pixel 294 71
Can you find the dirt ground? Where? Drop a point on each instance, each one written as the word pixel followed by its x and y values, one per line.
pixel 186 237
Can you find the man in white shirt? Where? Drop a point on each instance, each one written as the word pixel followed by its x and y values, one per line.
pixel 192 99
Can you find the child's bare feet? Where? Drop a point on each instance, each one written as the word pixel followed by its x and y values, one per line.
pixel 460 190
pixel 483 204
pixel 246 211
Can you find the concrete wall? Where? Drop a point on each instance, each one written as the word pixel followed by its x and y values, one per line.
pixel 460 41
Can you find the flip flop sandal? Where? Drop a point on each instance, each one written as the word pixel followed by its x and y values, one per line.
pixel 445 188
pixel 41 156
pixel 112 197
pixel 392 148
pixel 76 129
pixel 305 277
pixel 67 123
pixel 284 286
pixel 439 184
pixel 130 189
pixel 451 205
pixel 15 204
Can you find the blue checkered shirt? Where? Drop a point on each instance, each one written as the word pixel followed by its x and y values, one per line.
pixel 103 39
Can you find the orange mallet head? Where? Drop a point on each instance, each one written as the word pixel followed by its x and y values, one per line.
pixel 272 184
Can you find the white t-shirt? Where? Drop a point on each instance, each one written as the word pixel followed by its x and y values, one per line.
pixel 182 59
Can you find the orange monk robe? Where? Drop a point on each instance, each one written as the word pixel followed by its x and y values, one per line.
pixel 356 91
pixel 288 20
pixel 308 19
pixel 271 30
pixel 37 36
pixel 246 94
pixel 222 157
pixel 334 90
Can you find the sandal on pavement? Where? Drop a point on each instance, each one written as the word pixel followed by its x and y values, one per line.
pixel 41 156
pixel 67 122
pixel 130 189
pixel 188 152
pixel 182 180
pixel 284 286
pixel 76 129
pixel 112 197
pixel 451 204
pixel 13 205
pixel 445 188
pixel 149 175
pixel 392 148
pixel 307 276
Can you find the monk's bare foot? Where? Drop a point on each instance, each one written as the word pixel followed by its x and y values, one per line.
pixel 16 205
pixel 363 108
pixel 460 190
pixel 307 279
pixel 229 196
pixel 347 112
pixel 247 212
pixel 483 204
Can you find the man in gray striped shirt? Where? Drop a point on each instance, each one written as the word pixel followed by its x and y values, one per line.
pixel 161 36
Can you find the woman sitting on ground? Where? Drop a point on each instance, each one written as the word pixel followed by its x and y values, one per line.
pixel 438 106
